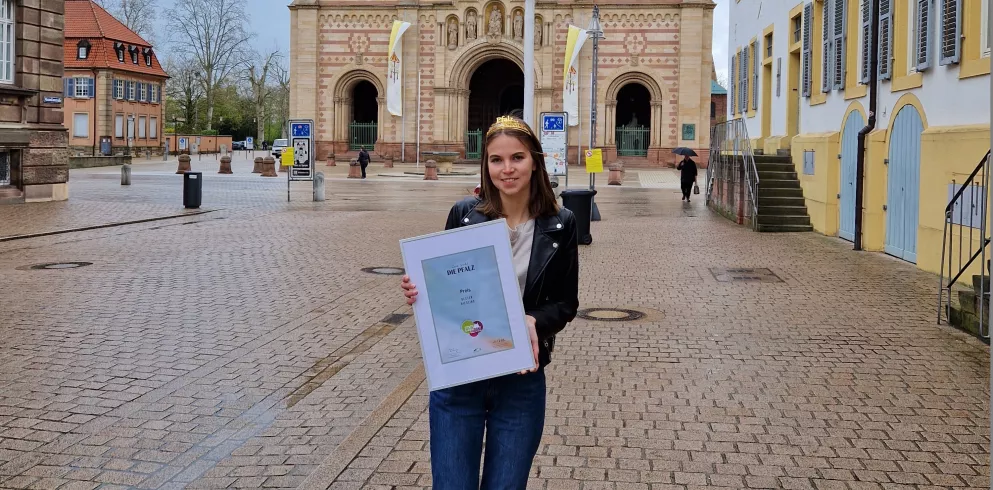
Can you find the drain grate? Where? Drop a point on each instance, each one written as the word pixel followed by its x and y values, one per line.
pixel 610 314
pixel 388 271
pixel 744 274
pixel 57 265
pixel 396 318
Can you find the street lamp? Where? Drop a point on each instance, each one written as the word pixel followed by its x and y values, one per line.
pixel 595 33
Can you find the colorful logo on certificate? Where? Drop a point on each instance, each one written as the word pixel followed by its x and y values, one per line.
pixel 472 327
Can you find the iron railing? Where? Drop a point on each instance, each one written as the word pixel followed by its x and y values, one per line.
pixel 361 135
pixel 967 210
pixel 474 144
pixel 5 168
pixel 632 141
pixel 732 178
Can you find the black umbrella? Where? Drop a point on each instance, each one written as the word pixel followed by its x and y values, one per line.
pixel 682 150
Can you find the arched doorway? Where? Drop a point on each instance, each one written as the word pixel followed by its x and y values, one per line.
pixel 849 157
pixel 365 116
pixel 903 186
pixel 633 120
pixel 496 88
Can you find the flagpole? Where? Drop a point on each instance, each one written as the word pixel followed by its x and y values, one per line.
pixel 529 62
pixel 417 163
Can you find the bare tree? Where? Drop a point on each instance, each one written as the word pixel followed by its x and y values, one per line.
pixel 184 88
pixel 721 78
pixel 282 75
pixel 137 15
pixel 212 34
pixel 257 76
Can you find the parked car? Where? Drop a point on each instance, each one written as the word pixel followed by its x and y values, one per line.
pixel 278 146
pixel 237 145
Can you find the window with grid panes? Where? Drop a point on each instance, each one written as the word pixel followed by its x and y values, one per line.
pixel 7 41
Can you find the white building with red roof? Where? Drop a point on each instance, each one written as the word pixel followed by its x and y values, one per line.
pixel 113 85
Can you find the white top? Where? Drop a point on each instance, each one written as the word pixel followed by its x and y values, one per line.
pixel 521 239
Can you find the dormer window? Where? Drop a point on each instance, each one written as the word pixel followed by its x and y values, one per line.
pixel 83 49
pixel 148 56
pixel 119 48
pixel 134 54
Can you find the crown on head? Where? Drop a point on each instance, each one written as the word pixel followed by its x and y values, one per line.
pixel 506 122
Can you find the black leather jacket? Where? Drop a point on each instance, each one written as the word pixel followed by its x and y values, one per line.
pixel 551 292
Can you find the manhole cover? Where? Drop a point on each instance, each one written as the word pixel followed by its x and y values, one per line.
pixel 610 314
pixel 744 274
pixel 389 271
pixel 60 265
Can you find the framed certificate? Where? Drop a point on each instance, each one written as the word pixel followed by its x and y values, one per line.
pixel 469 314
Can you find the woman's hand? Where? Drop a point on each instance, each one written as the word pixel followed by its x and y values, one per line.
pixel 534 343
pixel 409 290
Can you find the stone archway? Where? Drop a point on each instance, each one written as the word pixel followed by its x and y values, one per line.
pixel 639 86
pixel 495 89
pixel 359 102
pixel 632 121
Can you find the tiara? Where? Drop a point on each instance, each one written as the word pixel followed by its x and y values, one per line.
pixel 505 122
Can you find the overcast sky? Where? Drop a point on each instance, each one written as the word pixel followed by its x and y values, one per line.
pixel 269 21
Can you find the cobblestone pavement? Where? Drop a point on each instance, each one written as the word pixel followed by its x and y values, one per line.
pixel 246 347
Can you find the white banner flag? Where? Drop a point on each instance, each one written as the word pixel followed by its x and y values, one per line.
pixel 570 92
pixel 394 72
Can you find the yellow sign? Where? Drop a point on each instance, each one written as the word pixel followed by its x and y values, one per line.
pixel 286 157
pixel 594 161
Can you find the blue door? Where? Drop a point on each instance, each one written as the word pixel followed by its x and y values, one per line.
pixel 849 156
pixel 904 185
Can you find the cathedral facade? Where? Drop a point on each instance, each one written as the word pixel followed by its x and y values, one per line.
pixel 467 57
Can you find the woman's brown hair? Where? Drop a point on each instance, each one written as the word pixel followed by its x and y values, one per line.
pixel 541 199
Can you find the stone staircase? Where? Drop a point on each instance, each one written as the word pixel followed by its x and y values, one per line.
pixel 11 195
pixel 965 315
pixel 781 207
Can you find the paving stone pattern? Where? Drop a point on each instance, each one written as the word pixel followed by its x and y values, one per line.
pixel 245 348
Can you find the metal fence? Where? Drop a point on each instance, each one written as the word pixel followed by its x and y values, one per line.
pixel 632 142
pixel 361 135
pixel 732 178
pixel 4 168
pixel 474 144
pixel 966 237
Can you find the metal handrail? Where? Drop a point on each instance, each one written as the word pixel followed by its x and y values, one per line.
pixel 977 199
pixel 732 161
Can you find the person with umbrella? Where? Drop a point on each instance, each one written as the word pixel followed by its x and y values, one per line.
pixel 687 171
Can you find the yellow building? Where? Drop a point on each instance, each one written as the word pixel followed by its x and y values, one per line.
pixel 799 75
pixel 655 67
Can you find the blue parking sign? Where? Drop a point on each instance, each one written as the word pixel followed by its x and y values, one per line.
pixel 301 130
pixel 553 122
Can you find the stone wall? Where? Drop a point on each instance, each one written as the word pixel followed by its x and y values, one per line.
pixel 89 162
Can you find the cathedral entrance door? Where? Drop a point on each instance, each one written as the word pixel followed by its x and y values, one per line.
pixel 495 89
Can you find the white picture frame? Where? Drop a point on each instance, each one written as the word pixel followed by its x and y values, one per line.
pixel 473 327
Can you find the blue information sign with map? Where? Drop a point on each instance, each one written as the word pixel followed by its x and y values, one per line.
pixel 300 130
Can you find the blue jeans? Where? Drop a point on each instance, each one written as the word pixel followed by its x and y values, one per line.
pixel 510 408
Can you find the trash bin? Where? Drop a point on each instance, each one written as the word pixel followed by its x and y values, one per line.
pixel 192 189
pixel 580 202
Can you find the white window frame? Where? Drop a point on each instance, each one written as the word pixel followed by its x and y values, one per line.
pixel 153 128
pixel 120 89
pixel 132 87
pixel 119 126
pixel 81 90
pixel 911 54
pixel 142 121
pixel 76 127
pixel 7 41
pixel 82 52
pixel 984 35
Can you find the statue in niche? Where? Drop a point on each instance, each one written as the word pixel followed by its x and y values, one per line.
pixel 518 25
pixel 495 27
pixel 453 34
pixel 470 26
pixel 537 32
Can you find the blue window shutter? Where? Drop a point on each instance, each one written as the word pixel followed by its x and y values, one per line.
pixel 827 35
pixel 731 93
pixel 924 16
pixel 67 87
pixel 885 39
pixel 91 88
pixel 755 75
pixel 840 35
pixel 808 18
pixel 867 41
pixel 951 31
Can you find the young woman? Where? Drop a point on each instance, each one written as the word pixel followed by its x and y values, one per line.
pixel 544 240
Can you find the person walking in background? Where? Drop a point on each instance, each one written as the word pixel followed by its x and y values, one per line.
pixel 363 160
pixel 687 176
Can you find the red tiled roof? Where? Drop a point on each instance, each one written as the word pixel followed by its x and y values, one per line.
pixel 84 19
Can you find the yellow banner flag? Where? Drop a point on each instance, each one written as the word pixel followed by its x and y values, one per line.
pixel 394 69
pixel 286 157
pixel 594 161
pixel 570 76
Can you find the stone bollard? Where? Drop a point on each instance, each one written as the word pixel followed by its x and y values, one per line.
pixel 225 165
pixel 389 162
pixel 354 170
pixel 269 167
pixel 279 165
pixel 257 169
pixel 430 170
pixel 126 174
pixel 616 175
pixel 331 160
pixel 184 164
pixel 319 187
